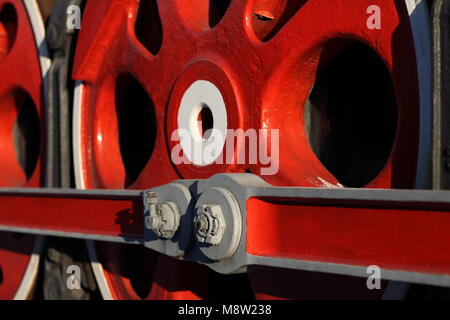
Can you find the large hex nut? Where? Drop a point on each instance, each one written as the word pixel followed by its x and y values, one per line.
pixel 209 224
pixel 217 224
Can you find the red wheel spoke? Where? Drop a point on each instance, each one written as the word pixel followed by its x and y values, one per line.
pixel 21 72
pixel 172 14
pixel 20 62
pixel 338 20
pixel 24 80
pixel 99 36
pixel 236 13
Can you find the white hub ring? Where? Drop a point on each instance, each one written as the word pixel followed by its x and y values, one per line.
pixel 198 149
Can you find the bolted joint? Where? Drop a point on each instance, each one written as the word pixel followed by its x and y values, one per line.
pixel 209 224
pixel 217 224
pixel 163 219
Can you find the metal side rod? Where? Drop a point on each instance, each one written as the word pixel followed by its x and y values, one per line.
pixel 105 215
pixel 232 221
pixel 341 231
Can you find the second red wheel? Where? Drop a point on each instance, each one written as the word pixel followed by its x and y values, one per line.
pixel 349 106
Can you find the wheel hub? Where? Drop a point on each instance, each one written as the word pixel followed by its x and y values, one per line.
pixel 203 106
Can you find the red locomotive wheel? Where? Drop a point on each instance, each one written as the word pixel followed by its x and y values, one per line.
pixel 23 62
pixel 349 100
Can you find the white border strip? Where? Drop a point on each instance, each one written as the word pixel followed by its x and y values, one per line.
pixel 76 134
pixel 29 277
pixel 39 34
pixel 98 271
pixel 96 266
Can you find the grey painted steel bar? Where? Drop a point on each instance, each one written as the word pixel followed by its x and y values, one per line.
pixel 84 214
pixel 243 187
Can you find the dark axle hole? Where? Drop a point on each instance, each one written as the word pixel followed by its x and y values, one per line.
pixel 205 121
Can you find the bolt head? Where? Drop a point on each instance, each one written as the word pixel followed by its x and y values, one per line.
pixel 170 217
pixel 163 220
pixel 152 197
pixel 202 224
pixel 209 224
pixel 153 222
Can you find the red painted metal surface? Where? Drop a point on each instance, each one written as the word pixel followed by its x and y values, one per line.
pixel 265 73
pixel 20 77
pixel 20 83
pixel 103 216
pixel 15 251
pixel 143 274
pixel 400 236
pixel 268 79
pixel 393 237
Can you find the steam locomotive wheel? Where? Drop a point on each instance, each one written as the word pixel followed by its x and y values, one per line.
pixel 23 58
pixel 349 102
